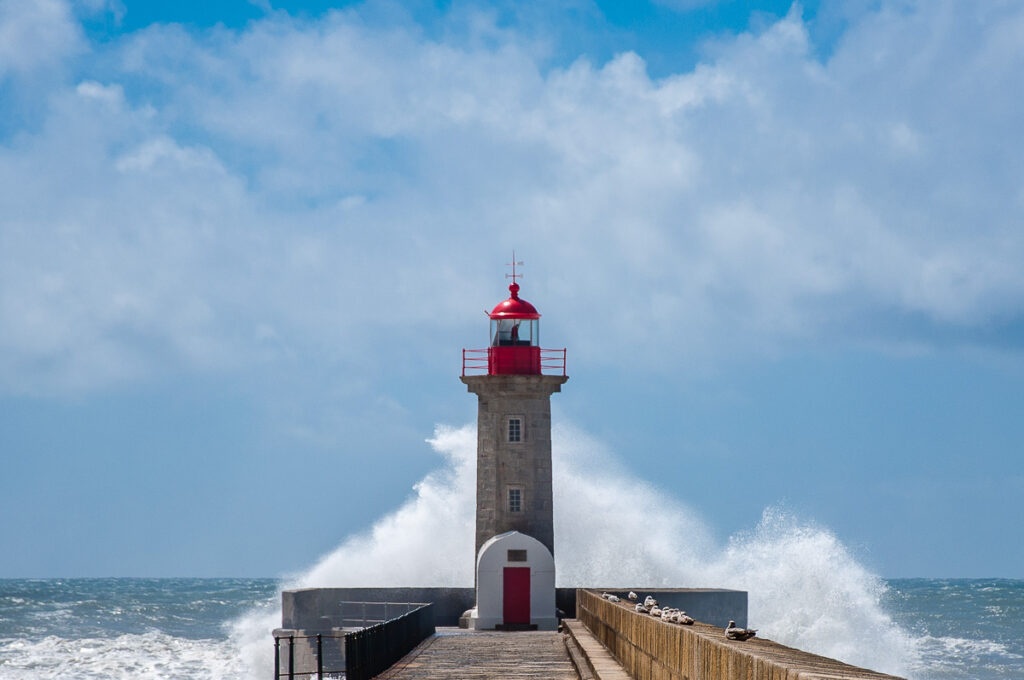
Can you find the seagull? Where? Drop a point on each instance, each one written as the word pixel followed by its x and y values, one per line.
pixel 613 598
pixel 639 608
pixel 632 596
pixel 734 633
pixel 650 602
pixel 683 619
pixel 655 611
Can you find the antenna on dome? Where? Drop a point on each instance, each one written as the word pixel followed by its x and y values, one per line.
pixel 513 264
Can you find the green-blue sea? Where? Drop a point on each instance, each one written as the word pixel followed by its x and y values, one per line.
pixel 195 628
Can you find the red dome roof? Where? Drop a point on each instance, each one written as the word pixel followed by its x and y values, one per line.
pixel 514 308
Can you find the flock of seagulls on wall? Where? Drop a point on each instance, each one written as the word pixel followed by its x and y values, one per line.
pixel 672 615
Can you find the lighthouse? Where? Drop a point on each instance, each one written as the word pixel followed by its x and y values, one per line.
pixel 514 379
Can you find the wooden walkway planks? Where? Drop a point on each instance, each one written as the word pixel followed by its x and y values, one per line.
pixel 454 653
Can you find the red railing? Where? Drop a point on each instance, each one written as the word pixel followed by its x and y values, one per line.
pixel 478 361
pixel 475 361
pixel 553 360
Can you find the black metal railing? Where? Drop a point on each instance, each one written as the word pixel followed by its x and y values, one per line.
pixel 354 614
pixel 357 655
pixel 313 657
pixel 373 650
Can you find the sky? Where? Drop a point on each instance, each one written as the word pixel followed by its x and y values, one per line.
pixel 242 245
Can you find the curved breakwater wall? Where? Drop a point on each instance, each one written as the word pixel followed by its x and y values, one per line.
pixel 650 649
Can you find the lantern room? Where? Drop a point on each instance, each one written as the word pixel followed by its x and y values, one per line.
pixel 515 337
pixel 514 348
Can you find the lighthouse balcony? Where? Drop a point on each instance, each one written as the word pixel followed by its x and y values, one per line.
pixel 522 359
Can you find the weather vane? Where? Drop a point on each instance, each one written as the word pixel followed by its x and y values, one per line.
pixel 513 264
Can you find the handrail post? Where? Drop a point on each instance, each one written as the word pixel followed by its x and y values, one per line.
pixel 319 657
pixel 291 657
pixel 277 658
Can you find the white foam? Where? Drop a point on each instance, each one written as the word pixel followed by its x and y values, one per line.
pixel 421 542
pixel 251 637
pixel 805 588
pixel 954 655
pixel 807 591
pixel 150 655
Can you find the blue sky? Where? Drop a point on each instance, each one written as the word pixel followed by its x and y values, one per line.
pixel 242 246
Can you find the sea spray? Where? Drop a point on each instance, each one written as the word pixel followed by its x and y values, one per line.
pixel 804 587
pixel 611 528
pixel 251 637
pixel 427 541
pixel 806 590
pixel 146 655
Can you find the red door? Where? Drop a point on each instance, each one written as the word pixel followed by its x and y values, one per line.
pixel 516 601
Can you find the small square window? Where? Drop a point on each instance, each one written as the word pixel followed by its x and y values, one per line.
pixel 515 500
pixel 516 555
pixel 515 430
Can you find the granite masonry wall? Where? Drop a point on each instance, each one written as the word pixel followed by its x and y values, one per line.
pixel 525 465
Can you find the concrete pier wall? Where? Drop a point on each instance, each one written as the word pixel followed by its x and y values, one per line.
pixel 314 609
pixel 716 606
pixel 320 609
pixel 650 649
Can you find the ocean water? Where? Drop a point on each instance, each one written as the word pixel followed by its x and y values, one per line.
pixel 147 629
pixel 965 628
pixel 118 628
pixel 806 588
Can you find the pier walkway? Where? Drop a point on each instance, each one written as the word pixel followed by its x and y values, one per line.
pixel 457 654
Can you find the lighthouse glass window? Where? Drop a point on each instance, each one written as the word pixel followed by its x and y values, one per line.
pixel 505 332
pixel 515 500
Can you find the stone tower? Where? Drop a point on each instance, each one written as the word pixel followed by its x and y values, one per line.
pixel 514 505
pixel 513 455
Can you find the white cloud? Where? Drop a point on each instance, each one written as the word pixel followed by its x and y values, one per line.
pixel 35 36
pixel 163 149
pixel 342 183
pixel 112 95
